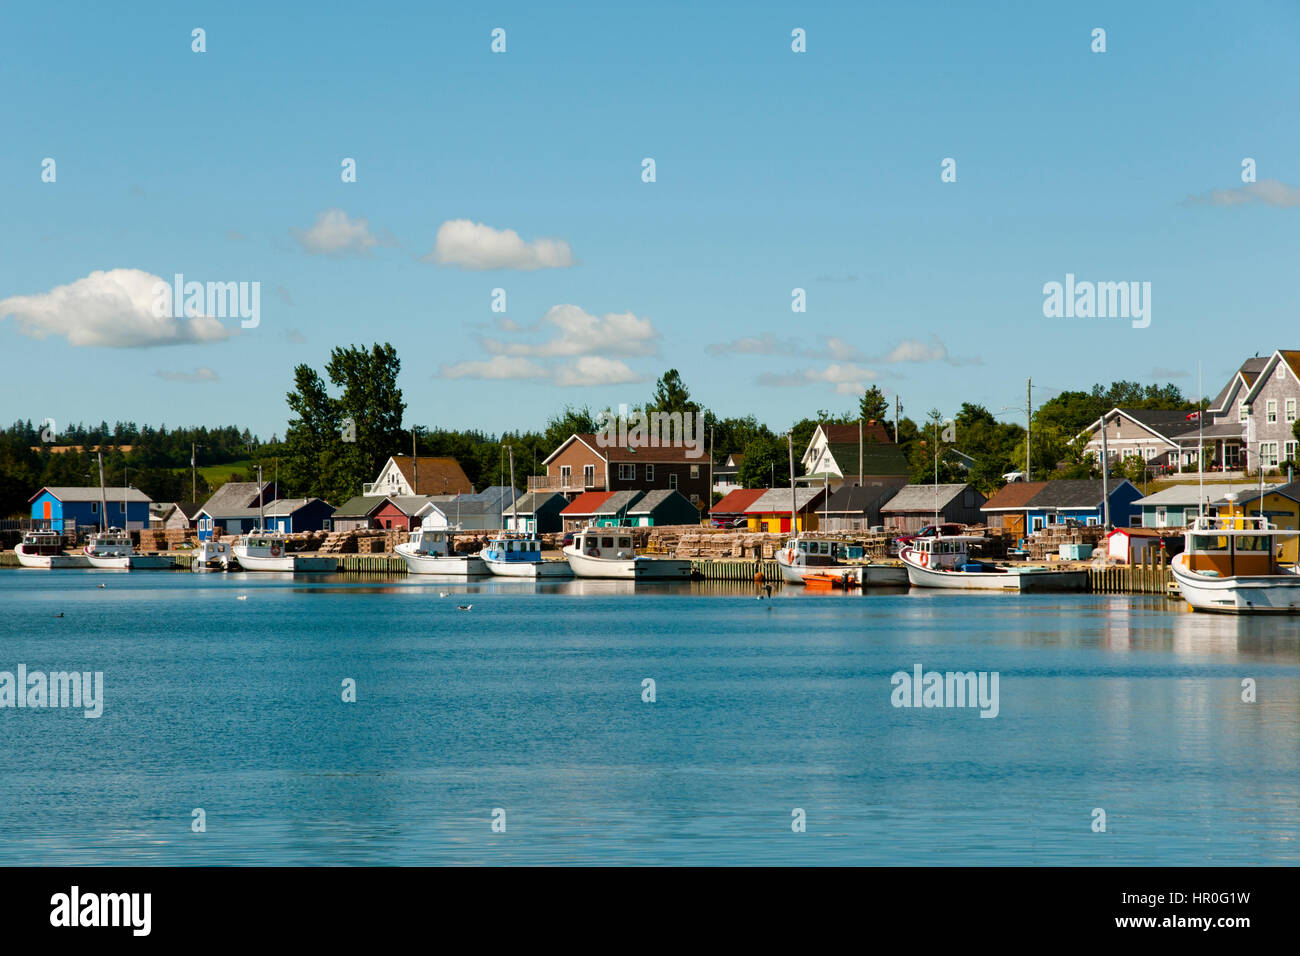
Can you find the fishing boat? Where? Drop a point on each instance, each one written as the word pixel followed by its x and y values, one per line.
pixel 609 553
pixel 1230 565
pixel 213 554
pixel 44 549
pixel 263 549
pixel 944 562
pixel 113 550
pixel 429 552
pixel 809 560
pixel 520 556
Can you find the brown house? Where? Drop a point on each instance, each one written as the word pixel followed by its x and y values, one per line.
pixel 403 475
pixel 1006 509
pixel 582 464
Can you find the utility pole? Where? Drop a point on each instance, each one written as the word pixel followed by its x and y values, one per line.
pixel 415 465
pixel 859 451
pixel 1105 485
pixel 709 510
pixel 895 419
pixel 194 474
pixel 1029 424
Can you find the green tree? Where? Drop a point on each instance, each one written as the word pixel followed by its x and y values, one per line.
pixel 571 421
pixel 672 395
pixel 312 441
pixel 767 459
pixel 873 405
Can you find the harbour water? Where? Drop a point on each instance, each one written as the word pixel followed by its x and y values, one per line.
pixel 533 703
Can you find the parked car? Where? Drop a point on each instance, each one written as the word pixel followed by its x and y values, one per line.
pixel 728 522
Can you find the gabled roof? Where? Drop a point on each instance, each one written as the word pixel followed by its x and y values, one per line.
pixel 777 500
pixel 188 508
pixel 616 455
pixel 617 503
pixel 68 493
pixel 362 506
pixel 1189 494
pixel 872 432
pixel 856 499
pixel 282 507
pixel 923 497
pixel 586 503
pixel 234 499
pixel 1162 423
pixel 455 506
pixel 652 500
pixel 1074 493
pixel 1289 357
pixel 408 505
pixel 1245 375
pixel 1014 496
pixel 533 501
pixel 735 502
pixel 437 475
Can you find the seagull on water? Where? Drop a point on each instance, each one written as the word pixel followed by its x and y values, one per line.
pixel 464 607
pixel 242 597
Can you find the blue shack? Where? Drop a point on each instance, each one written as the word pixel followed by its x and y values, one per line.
pixel 289 515
pixel 1081 500
pixel 66 509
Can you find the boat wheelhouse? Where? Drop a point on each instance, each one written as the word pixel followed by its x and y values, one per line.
pixel 821 562
pixel 520 556
pixel 263 551
pixel 1231 565
pixel 611 553
pixel 109 550
pixel 429 551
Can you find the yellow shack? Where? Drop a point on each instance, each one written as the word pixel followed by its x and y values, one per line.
pixel 770 512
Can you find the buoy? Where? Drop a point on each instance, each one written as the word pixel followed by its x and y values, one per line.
pixel 758 577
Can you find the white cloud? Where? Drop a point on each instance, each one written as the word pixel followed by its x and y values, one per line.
pixel 112 309
pixel 595 370
pixel 847 378
pixel 914 350
pixel 498 367
pixel 832 347
pixel 201 374
pixel 579 333
pixel 335 234
pixel 472 245
pixel 1267 192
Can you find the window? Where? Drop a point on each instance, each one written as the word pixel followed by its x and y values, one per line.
pixel 588 476
pixel 1242 412
pixel 672 480
pixel 1162 516
pixel 649 473
pixel 121 507
pixel 695 499
pixel 1135 521
pixel 627 472
pixel 1289 450
pixel 94 507
pixel 565 474
pixel 1270 410
pixel 695 471
pixel 1290 409
pixel 607 542
pixel 1268 454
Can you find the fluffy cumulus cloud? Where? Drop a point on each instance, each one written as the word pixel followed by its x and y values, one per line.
pixel 914 350
pixel 112 309
pixel 1266 192
pixel 201 374
pixel 575 349
pixel 335 233
pixel 575 332
pixel 473 245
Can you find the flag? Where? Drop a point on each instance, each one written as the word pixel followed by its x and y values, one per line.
pixel 1194 417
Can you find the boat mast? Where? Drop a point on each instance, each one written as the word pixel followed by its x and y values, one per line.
pixel 103 497
pixel 261 519
pixel 1200 440
pixel 794 516
pixel 512 488
pixel 1105 488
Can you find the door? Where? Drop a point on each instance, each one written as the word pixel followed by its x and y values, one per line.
pixel 785 524
pixel 1014 524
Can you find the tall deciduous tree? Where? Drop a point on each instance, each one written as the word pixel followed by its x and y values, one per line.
pixel 313 440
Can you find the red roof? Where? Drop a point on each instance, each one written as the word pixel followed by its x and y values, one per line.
pixel 848 434
pixel 587 502
pixel 737 501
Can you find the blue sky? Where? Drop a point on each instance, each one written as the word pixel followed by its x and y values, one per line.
pixel 774 171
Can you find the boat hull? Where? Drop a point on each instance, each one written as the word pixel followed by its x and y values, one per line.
pixel 48 562
pixel 529 569
pixel 628 569
pixel 259 562
pixel 855 575
pixel 463 565
pixel 109 562
pixel 1240 594
pixel 1022 580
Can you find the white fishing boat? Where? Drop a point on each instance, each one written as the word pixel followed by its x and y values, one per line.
pixel 819 562
pixel 44 549
pixel 945 562
pixel 113 550
pixel 263 550
pixel 1230 565
pixel 610 553
pixel 520 556
pixel 429 552
pixel 213 554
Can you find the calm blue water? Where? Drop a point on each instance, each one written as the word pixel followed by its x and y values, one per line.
pixel 531 702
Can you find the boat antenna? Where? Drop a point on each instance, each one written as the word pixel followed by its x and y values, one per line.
pixel 103 497
pixel 1200 440
pixel 1105 470
pixel 794 517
